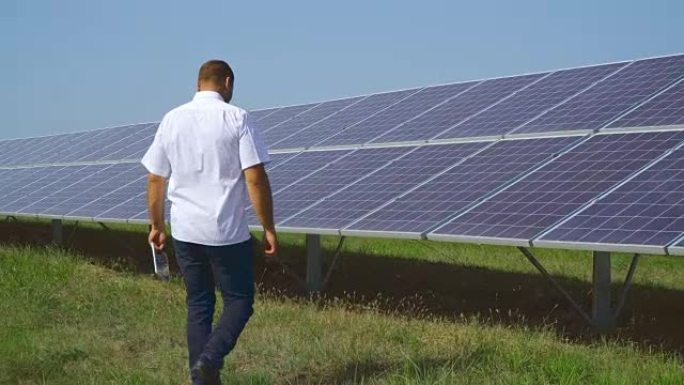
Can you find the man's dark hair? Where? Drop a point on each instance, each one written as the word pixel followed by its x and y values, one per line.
pixel 215 71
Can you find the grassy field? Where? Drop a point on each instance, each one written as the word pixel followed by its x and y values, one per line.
pixel 398 312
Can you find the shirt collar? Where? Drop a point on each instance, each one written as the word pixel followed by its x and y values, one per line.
pixel 207 95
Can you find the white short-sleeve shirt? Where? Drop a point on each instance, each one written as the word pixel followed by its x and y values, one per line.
pixel 202 147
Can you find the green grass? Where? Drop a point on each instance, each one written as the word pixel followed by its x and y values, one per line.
pixel 65 320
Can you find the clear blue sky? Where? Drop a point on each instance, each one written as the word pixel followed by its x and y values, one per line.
pixel 74 65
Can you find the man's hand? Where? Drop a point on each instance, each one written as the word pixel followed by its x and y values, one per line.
pixel 270 243
pixel 157 238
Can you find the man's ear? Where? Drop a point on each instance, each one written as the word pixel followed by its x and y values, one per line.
pixel 229 82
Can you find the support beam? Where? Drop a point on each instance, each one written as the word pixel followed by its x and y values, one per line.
pixel 57 232
pixel 602 313
pixel 603 316
pixel 314 263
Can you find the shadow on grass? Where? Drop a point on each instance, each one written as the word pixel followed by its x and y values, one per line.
pixel 367 370
pixel 652 317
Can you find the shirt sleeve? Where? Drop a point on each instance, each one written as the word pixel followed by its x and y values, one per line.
pixel 253 151
pixel 155 160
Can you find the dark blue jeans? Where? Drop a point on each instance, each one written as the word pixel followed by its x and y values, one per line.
pixel 203 268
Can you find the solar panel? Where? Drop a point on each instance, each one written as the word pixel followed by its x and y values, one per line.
pixel 409 108
pixel 530 102
pixel 18 149
pixel 666 109
pixel 360 198
pixel 307 118
pixel 332 178
pixel 300 166
pixel 544 197
pixel 94 183
pixel 46 180
pixel 136 147
pixel 332 125
pixel 257 115
pixel 115 143
pixel 125 198
pixel 596 107
pixel 98 145
pixel 277 159
pixel 508 191
pixel 432 203
pixel 282 115
pixel 16 179
pixel 454 111
pixel 643 215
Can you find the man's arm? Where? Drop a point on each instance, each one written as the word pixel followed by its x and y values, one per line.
pixel 262 201
pixel 155 206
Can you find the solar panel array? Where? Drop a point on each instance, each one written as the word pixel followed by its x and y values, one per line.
pixel 587 158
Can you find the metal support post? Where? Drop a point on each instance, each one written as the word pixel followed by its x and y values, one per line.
pixel 602 313
pixel 57 233
pixel 313 263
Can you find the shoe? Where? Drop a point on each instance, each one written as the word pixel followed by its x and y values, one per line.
pixel 204 374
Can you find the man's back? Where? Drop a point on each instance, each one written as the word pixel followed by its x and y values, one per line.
pixel 203 147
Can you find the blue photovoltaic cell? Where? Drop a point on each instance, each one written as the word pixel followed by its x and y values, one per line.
pixel 126 187
pixel 530 102
pixel 96 142
pixel 360 198
pixel 123 137
pixel 21 149
pixel 546 196
pixel 144 215
pixel 647 210
pixel 307 118
pixel 60 148
pixel 28 180
pixel 597 106
pixel 15 149
pixel 277 159
pixel 260 114
pixel 439 199
pixel 300 166
pixel 332 178
pixel 296 168
pixel 343 119
pixel 5 148
pixel 282 115
pixel 135 147
pixel 407 109
pixel 666 109
pixel 91 187
pixel 454 111
pixel 16 179
pixel 55 178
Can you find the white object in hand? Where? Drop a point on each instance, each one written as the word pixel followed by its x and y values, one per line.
pixel 161 263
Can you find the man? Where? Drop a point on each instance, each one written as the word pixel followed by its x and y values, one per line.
pixel 213 157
